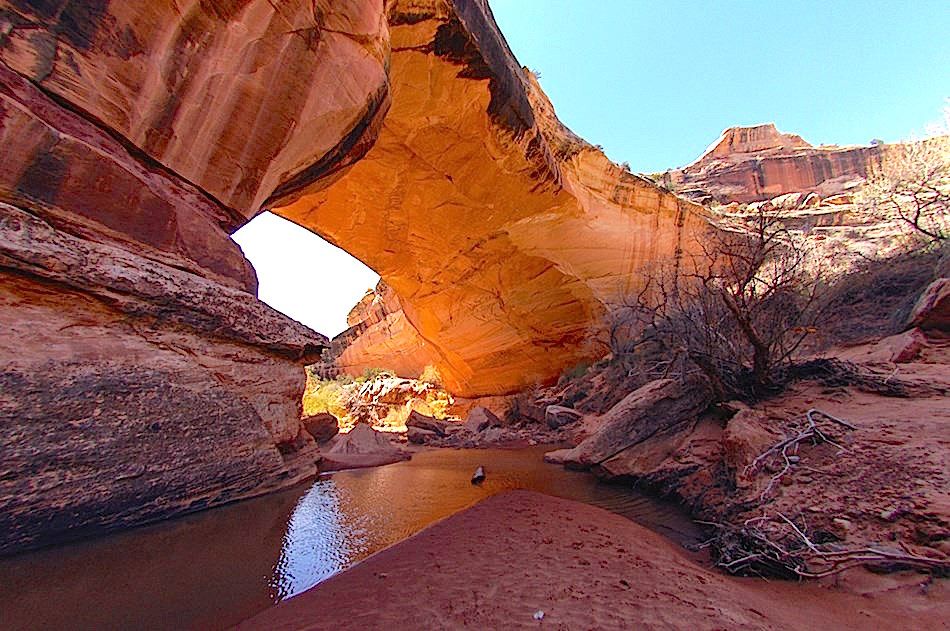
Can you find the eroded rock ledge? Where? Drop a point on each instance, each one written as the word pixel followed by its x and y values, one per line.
pixel 133 391
pixel 141 377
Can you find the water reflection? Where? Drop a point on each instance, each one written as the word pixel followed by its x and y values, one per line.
pixel 349 515
pixel 318 542
pixel 216 568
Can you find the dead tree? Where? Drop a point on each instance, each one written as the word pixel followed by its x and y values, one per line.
pixel 913 185
pixel 738 311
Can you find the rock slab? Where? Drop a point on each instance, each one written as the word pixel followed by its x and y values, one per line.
pixel 659 405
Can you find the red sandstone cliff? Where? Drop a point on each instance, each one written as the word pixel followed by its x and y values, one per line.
pixel 748 164
pixel 141 376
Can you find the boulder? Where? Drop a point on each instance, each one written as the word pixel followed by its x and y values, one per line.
pixel 362 446
pixel 932 310
pixel 638 416
pixel 480 418
pixel 322 426
pixel 558 456
pixel 745 437
pixel 427 423
pixel 420 436
pixel 492 435
pixel 533 409
pixel 907 346
pixel 558 416
pixel 679 458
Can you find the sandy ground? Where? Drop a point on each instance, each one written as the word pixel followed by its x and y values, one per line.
pixel 890 484
pixel 497 564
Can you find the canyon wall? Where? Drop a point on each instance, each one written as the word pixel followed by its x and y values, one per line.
pixel 142 378
pixel 750 164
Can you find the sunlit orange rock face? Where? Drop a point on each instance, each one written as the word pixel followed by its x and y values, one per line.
pixel 170 124
pixel 748 164
pixel 501 236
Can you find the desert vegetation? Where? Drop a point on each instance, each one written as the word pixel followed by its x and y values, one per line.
pixel 913 185
pixel 737 314
pixel 376 397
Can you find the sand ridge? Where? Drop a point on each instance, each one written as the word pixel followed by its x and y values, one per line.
pixel 496 564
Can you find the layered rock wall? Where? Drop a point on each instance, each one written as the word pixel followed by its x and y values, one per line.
pixel 749 164
pixel 141 376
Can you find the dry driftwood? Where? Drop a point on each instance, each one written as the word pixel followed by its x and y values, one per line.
pixel 753 549
pixel 749 550
pixel 788 447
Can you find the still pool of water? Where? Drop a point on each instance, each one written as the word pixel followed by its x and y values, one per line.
pixel 215 568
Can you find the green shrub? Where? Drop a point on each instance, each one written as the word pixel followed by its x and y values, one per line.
pixel 579 370
pixel 430 375
pixel 323 396
pixel 371 374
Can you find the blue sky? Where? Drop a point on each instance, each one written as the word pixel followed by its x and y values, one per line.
pixel 655 82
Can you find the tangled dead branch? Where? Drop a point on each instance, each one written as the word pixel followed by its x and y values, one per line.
pixel 750 550
pixel 838 373
pixel 776 545
pixel 788 447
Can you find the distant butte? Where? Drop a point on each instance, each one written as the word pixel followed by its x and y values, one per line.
pixel 750 164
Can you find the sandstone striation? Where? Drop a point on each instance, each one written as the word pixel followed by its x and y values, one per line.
pixel 502 236
pixel 141 377
pixel 749 164
pixel 132 391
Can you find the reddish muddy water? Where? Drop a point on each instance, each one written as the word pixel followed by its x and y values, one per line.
pixel 216 568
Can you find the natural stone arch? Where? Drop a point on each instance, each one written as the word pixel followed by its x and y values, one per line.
pixel 502 235
pixel 140 136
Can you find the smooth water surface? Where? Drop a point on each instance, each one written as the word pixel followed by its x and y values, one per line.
pixel 216 568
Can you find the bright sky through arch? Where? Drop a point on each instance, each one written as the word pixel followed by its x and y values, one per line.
pixel 655 82
pixel 302 275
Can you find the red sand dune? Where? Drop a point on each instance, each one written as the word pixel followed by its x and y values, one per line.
pixel 496 564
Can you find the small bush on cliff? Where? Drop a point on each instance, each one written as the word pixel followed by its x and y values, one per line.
pixel 430 375
pixel 324 396
pixel 578 370
pixel 876 297
pixel 737 313
pixel 913 185
pixel 370 374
